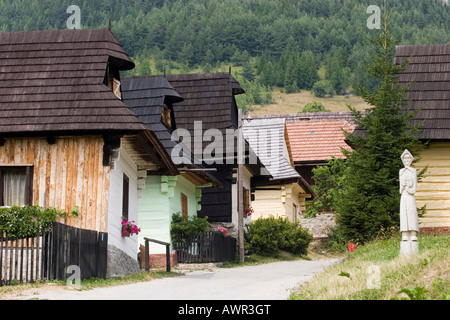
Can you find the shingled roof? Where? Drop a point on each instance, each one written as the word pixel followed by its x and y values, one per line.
pixel 146 96
pixel 429 70
pixel 52 81
pixel 269 139
pixel 208 97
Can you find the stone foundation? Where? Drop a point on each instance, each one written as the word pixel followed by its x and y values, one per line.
pixel 119 263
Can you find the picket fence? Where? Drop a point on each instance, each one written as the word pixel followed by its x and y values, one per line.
pixel 47 256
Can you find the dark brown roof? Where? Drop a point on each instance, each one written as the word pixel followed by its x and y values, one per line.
pixel 52 81
pixel 145 96
pixel 208 98
pixel 429 69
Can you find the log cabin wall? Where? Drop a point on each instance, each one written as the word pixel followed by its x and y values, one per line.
pixel 434 189
pixel 66 174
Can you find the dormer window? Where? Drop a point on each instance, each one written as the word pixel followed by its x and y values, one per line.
pixel 166 116
pixel 116 88
pixel 112 81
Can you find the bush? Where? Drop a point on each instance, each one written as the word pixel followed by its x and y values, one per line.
pixel 21 222
pixel 182 228
pixel 322 88
pixel 268 236
pixel 314 106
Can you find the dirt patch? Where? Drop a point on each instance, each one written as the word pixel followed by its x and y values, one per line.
pixel 30 292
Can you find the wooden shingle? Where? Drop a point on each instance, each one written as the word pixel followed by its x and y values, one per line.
pixel 52 81
pixel 429 72
pixel 208 98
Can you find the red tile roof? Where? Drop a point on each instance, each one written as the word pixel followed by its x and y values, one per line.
pixel 313 141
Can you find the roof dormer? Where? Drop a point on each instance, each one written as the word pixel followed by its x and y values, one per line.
pixel 112 80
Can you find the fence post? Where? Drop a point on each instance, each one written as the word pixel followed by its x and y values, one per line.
pixel 167 257
pixel 147 255
pixel 1 258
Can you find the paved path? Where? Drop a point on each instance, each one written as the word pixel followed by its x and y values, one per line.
pixel 271 281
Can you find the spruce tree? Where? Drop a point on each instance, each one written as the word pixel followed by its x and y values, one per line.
pixel 367 203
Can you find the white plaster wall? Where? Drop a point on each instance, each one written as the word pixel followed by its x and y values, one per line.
pixel 235 216
pixel 122 165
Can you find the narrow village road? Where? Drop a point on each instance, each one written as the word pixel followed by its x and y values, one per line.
pixel 272 281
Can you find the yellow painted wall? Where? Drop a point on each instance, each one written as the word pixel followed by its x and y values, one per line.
pixel 434 189
pixel 278 203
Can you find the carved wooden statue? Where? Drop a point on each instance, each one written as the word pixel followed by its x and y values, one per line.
pixel 409 220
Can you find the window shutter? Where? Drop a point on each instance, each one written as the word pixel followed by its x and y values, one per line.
pixel 184 206
pixel 125 197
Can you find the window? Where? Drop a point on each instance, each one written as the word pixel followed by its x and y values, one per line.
pixel 16 186
pixel 116 88
pixel 184 205
pixel 112 81
pixel 246 198
pixel 125 196
pixel 166 116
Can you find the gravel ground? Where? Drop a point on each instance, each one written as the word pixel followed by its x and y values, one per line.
pixel 272 281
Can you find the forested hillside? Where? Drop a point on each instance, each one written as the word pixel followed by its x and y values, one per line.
pixel 287 43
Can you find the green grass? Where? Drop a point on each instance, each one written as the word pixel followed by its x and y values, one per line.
pixel 375 271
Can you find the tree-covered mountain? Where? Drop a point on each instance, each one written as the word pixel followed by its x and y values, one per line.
pixel 276 42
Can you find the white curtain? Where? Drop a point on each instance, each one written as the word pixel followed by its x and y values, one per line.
pixel 14 186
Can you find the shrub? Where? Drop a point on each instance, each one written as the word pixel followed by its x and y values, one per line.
pixel 270 235
pixel 20 222
pixel 314 106
pixel 182 228
pixel 322 88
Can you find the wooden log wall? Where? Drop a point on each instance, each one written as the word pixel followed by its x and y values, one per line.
pixel 434 189
pixel 66 174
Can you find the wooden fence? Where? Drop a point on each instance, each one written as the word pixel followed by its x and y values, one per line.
pixel 21 260
pixel 47 256
pixel 209 247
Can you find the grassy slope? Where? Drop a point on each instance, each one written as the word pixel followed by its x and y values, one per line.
pixel 292 103
pixel 376 272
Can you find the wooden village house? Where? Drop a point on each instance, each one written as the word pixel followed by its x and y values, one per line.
pixel 209 105
pixel 284 194
pixel 66 137
pixel 152 99
pixel 429 72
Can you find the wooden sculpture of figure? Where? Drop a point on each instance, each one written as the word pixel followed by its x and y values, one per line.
pixel 409 220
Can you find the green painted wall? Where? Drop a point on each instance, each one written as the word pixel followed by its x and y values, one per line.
pixel 160 199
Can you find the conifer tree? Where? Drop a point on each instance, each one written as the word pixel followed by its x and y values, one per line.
pixel 367 203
